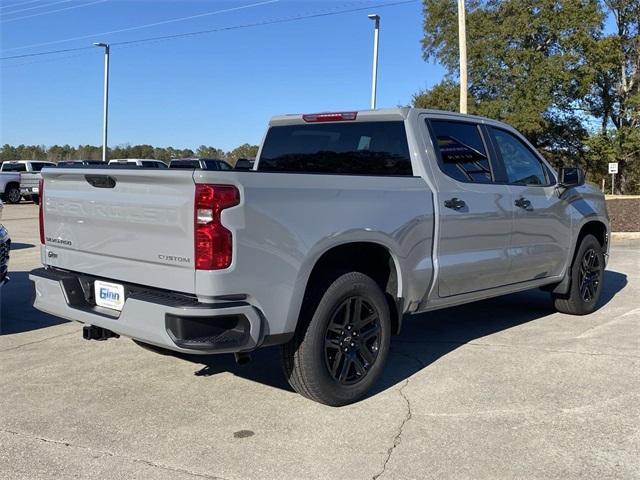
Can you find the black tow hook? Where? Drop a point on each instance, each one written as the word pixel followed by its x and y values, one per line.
pixel 242 358
pixel 91 332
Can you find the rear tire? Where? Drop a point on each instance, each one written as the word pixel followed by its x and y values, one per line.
pixel 338 354
pixel 12 195
pixel 587 275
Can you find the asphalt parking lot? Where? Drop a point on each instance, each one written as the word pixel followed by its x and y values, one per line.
pixel 503 388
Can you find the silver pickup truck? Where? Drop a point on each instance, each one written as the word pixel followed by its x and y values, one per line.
pixel 347 222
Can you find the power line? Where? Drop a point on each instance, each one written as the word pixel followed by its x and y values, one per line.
pixel 50 52
pixel 18 4
pixel 148 25
pixel 37 6
pixel 302 16
pixel 222 29
pixel 54 11
pixel 61 59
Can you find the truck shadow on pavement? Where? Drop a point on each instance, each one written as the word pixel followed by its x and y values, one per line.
pixel 20 246
pixel 424 338
pixel 17 314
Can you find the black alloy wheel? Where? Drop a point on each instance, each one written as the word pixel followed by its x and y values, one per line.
pixel 590 273
pixel 352 340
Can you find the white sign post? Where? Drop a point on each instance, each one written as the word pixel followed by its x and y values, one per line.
pixel 613 169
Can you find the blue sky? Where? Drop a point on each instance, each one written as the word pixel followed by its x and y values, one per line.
pixel 217 89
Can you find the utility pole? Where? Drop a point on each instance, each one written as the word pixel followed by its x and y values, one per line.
pixel 105 119
pixel 374 77
pixel 462 43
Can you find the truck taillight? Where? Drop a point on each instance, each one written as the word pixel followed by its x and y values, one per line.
pixel 213 242
pixel 41 209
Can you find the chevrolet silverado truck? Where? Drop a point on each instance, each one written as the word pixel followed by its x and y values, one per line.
pixel 346 223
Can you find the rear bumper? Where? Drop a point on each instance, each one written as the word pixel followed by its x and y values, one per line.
pixel 154 317
pixel 27 191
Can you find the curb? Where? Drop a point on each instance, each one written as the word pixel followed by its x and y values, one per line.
pixel 625 235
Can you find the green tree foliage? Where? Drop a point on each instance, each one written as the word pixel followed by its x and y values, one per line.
pixel 443 96
pixel 57 153
pixel 614 96
pixel 243 151
pixel 547 68
pixel 204 151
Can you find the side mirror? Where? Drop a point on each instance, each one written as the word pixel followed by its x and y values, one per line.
pixel 571 177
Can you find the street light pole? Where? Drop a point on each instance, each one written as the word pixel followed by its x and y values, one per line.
pixel 374 76
pixel 105 119
pixel 462 43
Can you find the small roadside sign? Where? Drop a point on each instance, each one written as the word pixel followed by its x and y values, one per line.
pixel 613 167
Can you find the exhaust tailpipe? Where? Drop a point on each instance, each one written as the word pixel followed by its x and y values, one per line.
pixel 91 332
pixel 242 358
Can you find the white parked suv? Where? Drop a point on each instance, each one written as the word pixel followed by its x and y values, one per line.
pixel 138 162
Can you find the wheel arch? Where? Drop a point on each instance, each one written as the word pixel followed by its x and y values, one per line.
pixel 591 226
pixel 368 257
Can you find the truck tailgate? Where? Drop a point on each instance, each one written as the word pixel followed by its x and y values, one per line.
pixel 131 225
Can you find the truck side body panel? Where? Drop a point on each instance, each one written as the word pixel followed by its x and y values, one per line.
pixel 286 222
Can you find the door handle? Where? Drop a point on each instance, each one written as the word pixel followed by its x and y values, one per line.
pixel 523 203
pixel 455 203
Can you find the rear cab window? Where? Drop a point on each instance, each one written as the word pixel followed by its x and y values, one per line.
pixel 349 148
pixel 14 167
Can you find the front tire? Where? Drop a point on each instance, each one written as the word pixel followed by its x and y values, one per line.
pixel 338 355
pixel 587 275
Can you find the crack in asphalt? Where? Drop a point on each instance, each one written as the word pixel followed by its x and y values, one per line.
pixel 115 455
pixel 397 439
pixel 398 436
pixel 15 347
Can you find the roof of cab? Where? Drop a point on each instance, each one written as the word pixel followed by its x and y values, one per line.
pixel 387 114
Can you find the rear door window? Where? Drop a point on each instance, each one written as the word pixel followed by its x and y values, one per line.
pixel 463 155
pixel 360 148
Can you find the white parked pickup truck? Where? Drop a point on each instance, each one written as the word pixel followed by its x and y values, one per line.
pixel 29 178
pixel 347 222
